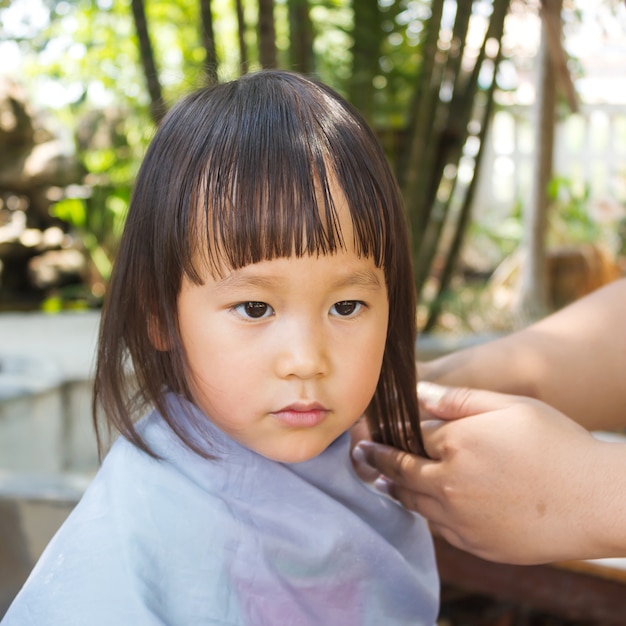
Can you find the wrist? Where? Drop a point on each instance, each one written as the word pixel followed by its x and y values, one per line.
pixel 453 369
pixel 604 521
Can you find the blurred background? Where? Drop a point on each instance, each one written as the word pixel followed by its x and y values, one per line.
pixel 504 121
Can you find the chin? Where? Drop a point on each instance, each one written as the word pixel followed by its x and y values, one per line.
pixel 294 455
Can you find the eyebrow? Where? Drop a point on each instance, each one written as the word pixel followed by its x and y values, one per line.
pixel 236 279
pixel 359 278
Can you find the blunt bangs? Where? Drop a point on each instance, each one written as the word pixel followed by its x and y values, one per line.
pixel 263 178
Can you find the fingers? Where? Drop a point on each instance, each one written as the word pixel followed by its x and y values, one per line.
pixel 428 506
pixel 456 402
pixel 409 479
pixel 398 466
pixel 431 437
pixel 363 469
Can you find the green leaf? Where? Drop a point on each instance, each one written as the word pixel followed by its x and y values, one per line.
pixel 72 211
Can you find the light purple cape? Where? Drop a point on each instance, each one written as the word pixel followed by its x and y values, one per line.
pixel 241 540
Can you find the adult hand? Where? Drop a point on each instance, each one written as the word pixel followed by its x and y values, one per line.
pixel 516 482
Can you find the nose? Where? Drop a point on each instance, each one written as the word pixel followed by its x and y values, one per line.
pixel 302 351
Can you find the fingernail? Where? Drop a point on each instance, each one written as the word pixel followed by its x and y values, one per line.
pixel 430 392
pixel 358 454
pixel 382 484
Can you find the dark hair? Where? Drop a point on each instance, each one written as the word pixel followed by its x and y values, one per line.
pixel 258 154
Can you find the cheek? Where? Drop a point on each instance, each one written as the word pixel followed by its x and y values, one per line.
pixel 214 391
pixel 378 346
pixel 225 372
pixel 207 362
pixel 378 341
pixel 367 360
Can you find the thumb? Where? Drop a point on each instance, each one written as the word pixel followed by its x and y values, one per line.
pixel 456 402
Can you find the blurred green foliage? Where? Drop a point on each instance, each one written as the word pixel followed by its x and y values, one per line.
pixel 409 65
pixel 84 58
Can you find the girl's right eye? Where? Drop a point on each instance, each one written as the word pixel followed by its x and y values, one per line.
pixel 254 310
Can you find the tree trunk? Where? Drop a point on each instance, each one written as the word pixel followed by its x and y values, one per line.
pixel 417 162
pixel 301 36
pixel 208 40
pixel 267 34
pixel 241 36
pixel 483 115
pixel 367 36
pixel 157 104
pixel 451 104
pixel 533 302
pixel 455 99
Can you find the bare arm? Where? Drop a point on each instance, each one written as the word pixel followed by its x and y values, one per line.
pixel 574 360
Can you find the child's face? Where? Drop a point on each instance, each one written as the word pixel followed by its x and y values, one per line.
pixel 285 354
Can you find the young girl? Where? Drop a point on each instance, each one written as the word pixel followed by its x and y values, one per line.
pixel 261 302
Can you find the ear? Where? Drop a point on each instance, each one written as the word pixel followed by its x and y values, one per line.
pixel 161 341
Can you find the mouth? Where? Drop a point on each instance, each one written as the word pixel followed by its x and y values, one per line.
pixel 301 415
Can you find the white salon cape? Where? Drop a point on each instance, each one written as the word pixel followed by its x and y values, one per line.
pixel 237 541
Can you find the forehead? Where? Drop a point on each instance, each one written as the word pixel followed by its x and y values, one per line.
pixel 332 272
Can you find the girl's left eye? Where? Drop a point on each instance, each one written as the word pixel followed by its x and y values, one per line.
pixel 254 310
pixel 347 308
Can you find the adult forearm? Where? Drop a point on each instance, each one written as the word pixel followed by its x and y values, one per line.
pixel 574 360
pixel 504 364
